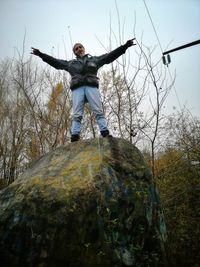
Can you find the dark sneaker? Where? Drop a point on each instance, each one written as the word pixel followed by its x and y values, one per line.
pixel 75 137
pixel 105 133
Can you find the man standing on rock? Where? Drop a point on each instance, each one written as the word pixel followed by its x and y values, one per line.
pixel 85 83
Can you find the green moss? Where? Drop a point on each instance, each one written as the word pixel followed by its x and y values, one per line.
pixel 85 204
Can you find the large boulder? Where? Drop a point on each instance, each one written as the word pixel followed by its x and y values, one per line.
pixel 90 203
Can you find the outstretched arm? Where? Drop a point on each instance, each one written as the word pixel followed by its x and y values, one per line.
pixel 54 62
pixel 110 57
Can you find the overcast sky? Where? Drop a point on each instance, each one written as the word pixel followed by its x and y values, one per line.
pixel 49 23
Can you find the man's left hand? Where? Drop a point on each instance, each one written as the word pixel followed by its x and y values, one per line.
pixel 130 42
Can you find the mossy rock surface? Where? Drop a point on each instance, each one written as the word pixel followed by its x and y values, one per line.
pixel 90 203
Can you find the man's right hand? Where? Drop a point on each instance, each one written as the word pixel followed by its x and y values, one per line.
pixel 35 51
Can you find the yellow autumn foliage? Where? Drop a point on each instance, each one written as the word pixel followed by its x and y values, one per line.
pixel 56 92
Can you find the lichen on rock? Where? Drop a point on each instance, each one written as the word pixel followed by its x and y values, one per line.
pixel 91 204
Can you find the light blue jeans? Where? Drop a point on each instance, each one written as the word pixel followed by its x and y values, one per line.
pixel 79 97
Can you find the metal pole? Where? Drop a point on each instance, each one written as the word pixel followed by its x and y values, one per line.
pixel 181 47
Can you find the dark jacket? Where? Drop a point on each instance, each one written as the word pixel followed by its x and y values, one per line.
pixel 83 70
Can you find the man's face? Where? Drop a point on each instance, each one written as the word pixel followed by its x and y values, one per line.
pixel 79 50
